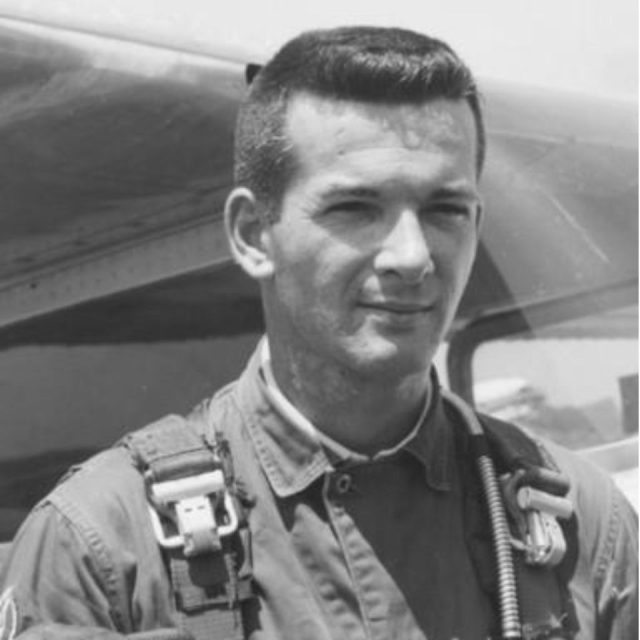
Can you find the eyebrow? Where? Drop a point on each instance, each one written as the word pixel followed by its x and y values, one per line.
pixel 339 191
pixel 450 193
pixel 442 193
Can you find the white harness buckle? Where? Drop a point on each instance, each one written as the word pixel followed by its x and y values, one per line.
pixel 192 502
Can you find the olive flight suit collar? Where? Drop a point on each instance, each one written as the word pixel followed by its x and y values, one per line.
pixel 293 458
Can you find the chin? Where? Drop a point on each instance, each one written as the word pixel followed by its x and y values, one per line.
pixel 386 359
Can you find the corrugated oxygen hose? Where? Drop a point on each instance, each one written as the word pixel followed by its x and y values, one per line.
pixel 507 588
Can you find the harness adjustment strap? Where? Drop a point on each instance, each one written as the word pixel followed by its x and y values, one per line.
pixel 198 521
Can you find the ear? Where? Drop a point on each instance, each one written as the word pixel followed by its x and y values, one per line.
pixel 247 233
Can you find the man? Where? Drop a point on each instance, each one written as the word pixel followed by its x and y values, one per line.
pixel 357 209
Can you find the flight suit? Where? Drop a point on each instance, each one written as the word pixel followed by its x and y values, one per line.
pixel 388 548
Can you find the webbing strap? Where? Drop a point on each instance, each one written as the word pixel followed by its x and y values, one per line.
pixel 542 604
pixel 210 588
pixel 171 448
pixel 205 608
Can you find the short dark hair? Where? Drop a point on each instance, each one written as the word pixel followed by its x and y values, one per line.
pixel 362 64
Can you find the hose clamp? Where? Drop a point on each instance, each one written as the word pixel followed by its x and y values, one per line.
pixel 543 541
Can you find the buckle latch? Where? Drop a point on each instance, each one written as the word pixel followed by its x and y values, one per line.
pixel 192 503
pixel 544 542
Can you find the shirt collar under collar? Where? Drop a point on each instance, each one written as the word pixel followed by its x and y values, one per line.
pixel 338 451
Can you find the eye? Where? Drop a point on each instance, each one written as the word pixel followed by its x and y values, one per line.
pixel 448 214
pixel 452 209
pixel 354 208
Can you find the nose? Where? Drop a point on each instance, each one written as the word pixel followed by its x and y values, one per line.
pixel 405 249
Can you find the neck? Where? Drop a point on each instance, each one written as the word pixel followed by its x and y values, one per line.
pixel 364 413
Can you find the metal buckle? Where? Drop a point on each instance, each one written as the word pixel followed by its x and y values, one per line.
pixel 544 542
pixel 192 502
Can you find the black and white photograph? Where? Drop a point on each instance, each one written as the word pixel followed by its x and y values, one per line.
pixel 319 321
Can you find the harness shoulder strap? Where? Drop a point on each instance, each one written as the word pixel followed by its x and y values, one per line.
pixel 199 519
pixel 546 604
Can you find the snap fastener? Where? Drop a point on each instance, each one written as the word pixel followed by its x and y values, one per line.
pixel 343 483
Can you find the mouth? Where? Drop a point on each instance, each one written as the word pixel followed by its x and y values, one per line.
pixel 400 308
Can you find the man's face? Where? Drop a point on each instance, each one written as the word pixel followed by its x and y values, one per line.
pixel 376 234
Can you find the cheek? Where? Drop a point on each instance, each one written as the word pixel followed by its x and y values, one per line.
pixel 455 262
pixel 460 250
pixel 316 268
pixel 324 266
pixel 302 283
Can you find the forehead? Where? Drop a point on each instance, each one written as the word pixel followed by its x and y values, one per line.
pixel 322 128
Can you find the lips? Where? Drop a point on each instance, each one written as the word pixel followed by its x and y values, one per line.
pixel 400 307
